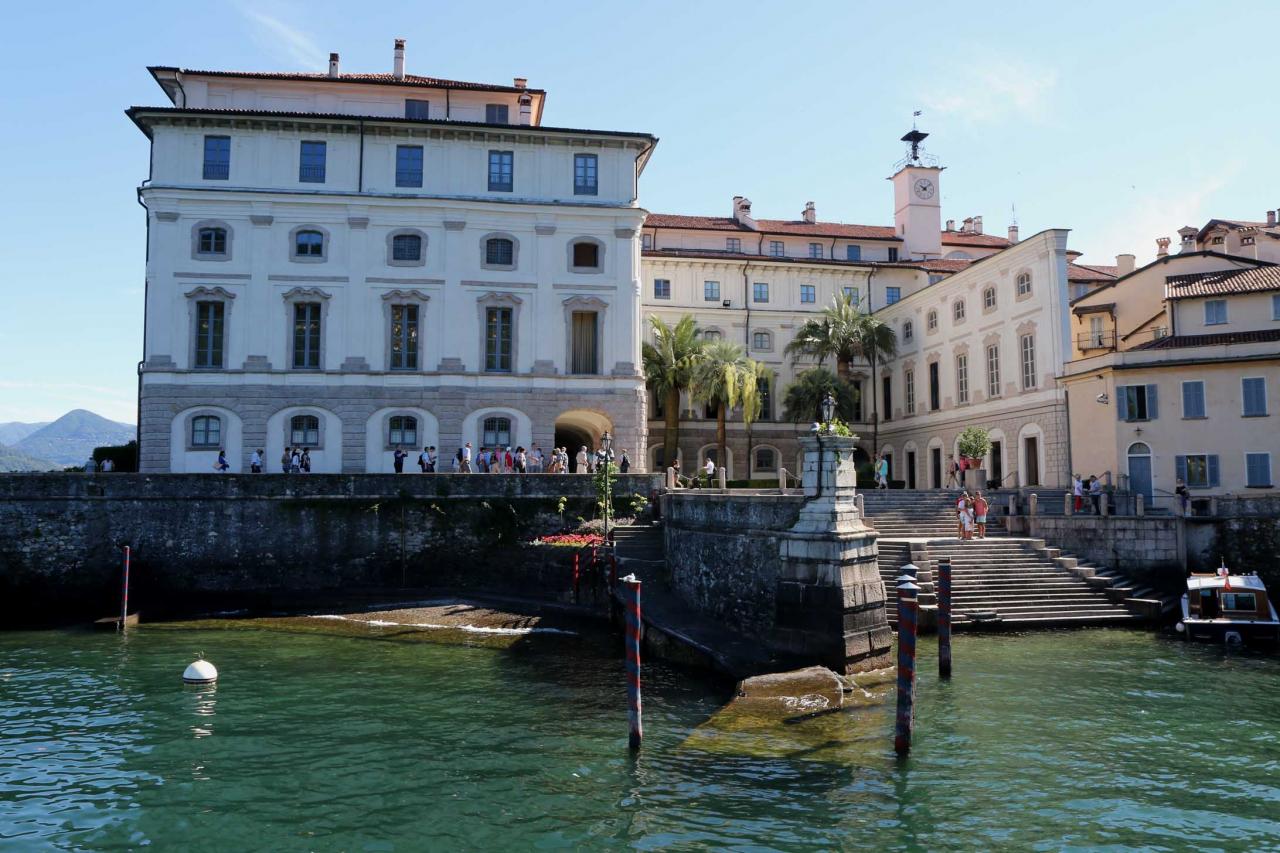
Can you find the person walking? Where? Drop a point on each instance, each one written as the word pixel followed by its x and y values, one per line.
pixel 466 458
pixel 305 462
pixel 422 460
pixel 980 507
pixel 709 470
pixel 295 462
pixel 1077 489
pixel 1095 494
pixel 535 460
pixel 1183 495
pixel 222 465
pixel 582 461
pixel 255 462
pixel 286 460
pixel 521 460
pixel 397 460
pixel 882 472
pixel 624 464
pixel 953 473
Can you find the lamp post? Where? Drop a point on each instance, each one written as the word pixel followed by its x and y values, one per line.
pixel 828 408
pixel 606 447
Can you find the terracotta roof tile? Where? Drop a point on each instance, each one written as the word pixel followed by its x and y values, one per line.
pixel 1090 272
pixel 745 256
pixel 966 238
pixel 782 227
pixel 1222 282
pixel 1226 338
pixel 380 79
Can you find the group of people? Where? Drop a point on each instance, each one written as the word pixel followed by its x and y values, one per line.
pixel 971 515
pixel 509 460
pixel 1090 488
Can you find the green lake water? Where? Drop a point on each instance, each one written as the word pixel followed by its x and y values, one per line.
pixel 1084 740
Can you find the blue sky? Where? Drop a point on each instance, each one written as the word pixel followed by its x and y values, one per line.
pixel 1121 121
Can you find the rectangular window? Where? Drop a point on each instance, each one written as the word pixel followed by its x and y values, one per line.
pixel 1198 471
pixel 962 378
pixel 732 244
pixel 586 174
pixel 497 340
pixel 1254 391
pixel 993 370
pixel 893 253
pixel 711 291
pixel 217 158
pixel 404 337
pixel 886 398
pixel 1137 402
pixel 909 390
pixel 808 293
pixel 776 249
pixel 408 165
pixel 857 400
pixel 646 241
pixel 935 388
pixel 661 288
pixel 1215 312
pixel 311 162
pixel 206 431
pixel 1192 399
pixel 892 295
pixel 1240 601
pixel 306 335
pixel 851 294
pixel 496 114
pixel 760 292
pixel 765 395
pixel 815 250
pixel 501 170
pixel 1257 470
pixel 416 109
pixel 853 253
pixel 209 334
pixel 585 343
pixel 1028 345
pixel 1275 307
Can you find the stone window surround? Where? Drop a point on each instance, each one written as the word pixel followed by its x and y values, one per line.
pixel 405 297
pixel 1031 289
pixel 958 312
pixel 494 414
pixel 209 294
pixel 716 330
pixel 909 387
pixel 295 296
pixel 908 330
pixel 196 254
pixel 590 304
pixel 188 421
pixel 956 356
pixel 385 426
pixel 484 251
pixel 931 321
pixel 768 340
pixel 325 245
pixel 600 247
pixel 398 232
pixel 988 342
pixel 777 457
pixel 318 414
pixel 495 299
pixel 990 290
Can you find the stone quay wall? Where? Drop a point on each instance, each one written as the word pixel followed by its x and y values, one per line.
pixel 200 541
pixel 1150 548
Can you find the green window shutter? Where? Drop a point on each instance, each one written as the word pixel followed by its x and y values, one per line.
pixel 1152 408
pixel 1213 470
pixel 1180 468
pixel 1122 402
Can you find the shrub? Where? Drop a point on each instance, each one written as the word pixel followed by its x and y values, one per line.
pixel 974 442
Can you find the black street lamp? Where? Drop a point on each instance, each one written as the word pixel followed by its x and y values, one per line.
pixel 606 448
pixel 828 408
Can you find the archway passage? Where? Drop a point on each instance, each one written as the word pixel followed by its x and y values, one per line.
pixel 862 465
pixel 581 428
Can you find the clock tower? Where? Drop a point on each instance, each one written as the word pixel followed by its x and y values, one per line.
pixel 917 202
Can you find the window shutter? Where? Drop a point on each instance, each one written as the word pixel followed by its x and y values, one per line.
pixel 1152 408
pixel 1213 470
pixel 1122 402
pixel 1180 468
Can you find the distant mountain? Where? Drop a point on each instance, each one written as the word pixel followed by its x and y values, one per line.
pixel 70 439
pixel 12 460
pixel 14 431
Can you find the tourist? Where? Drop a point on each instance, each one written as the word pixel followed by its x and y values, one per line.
pixel 397 460
pixel 709 470
pixel 966 518
pixel 255 462
pixel 882 472
pixel 980 507
pixel 482 460
pixel 432 458
pixel 953 473
pixel 107 466
pixel 284 460
pixel 422 460
pixel 222 465
pixel 624 464
pixel 295 462
pixel 960 505
pixel 1077 489
pixel 304 464
pixel 1095 494
pixel 465 458
pixel 1184 496
pixel 457 461
pixel 535 460
pixel 582 461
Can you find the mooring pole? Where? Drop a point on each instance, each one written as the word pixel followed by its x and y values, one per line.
pixel 577 577
pixel 944 618
pixel 631 603
pixel 124 595
pixel 613 571
pixel 906 667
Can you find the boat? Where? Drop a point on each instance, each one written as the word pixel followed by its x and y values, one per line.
pixel 1228 608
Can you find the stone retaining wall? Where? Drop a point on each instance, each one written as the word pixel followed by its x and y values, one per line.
pixel 1148 548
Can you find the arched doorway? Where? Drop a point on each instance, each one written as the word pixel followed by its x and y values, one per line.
pixel 862 464
pixel 581 428
pixel 1140 469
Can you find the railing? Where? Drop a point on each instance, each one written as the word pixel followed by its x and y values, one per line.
pixel 1096 340
pixel 311 174
pixel 217 171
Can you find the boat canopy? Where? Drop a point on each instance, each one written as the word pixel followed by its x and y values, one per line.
pixel 1238 582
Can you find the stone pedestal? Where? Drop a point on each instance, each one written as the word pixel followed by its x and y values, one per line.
pixel 975 478
pixel 830 596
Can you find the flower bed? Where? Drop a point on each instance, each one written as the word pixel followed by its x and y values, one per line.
pixel 570 540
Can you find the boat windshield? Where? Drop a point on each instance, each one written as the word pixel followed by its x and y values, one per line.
pixel 1239 601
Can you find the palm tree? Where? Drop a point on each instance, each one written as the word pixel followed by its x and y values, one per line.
pixel 803 400
pixel 764 379
pixel 725 378
pixel 832 334
pixel 669 364
pixel 876 342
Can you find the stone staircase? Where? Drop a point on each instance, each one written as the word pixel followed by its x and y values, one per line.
pixel 904 514
pixel 639 543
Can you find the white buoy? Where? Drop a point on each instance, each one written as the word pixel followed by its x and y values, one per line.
pixel 200 672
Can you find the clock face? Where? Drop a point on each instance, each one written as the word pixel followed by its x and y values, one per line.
pixel 924 188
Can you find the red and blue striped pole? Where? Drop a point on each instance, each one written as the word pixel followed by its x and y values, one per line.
pixel 124 594
pixel 944 618
pixel 631 603
pixel 577 577
pixel 906 667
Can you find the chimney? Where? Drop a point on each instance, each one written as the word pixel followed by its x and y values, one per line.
pixel 333 65
pixel 1271 219
pixel 1013 233
pixel 810 214
pixel 951 225
pixel 397 69
pixel 977 225
pixel 1125 264
pixel 526 108
pixel 521 83
pixel 967 225
pixel 1073 256
pixel 742 212
pixel 1188 235
pixel 1162 247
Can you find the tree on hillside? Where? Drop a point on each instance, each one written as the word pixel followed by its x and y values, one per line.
pixel 803 399
pixel 669 363
pixel 725 378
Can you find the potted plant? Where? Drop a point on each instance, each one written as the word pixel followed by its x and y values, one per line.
pixel 974 444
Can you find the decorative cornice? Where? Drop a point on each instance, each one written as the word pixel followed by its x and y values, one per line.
pixel 358 222
pixel 305 293
pixel 624 232
pixel 571 286
pixel 405 296
pixel 237 276
pixel 544 230
pixel 392 280
pixel 495 298
pixel 261 218
pixel 167 215
pixel 455 224
pixel 308 278
pixel 524 285
pixel 202 291
pixel 587 302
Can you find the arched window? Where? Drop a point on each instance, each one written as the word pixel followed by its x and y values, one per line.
pixel 585 255
pixel 499 251
pixel 908 330
pixel 766 459
pixel 1139 448
pixel 933 320
pixel 406 247
pixel 1024 284
pixel 212 241
pixel 761 341
pixel 497 432
pixel 957 310
pixel 308 244
pixel 712 335
pixel 206 431
pixel 989 298
pixel 304 431
pixel 403 429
